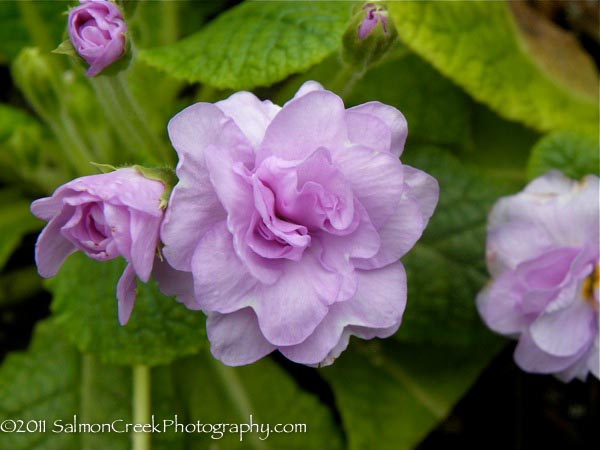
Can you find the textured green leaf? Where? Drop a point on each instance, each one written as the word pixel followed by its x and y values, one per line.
pixel 15 222
pixel 446 268
pixel 255 44
pixel 498 148
pixel 215 393
pixel 436 110
pixel 159 331
pixel 53 382
pixel 390 395
pixel 574 154
pixel 478 45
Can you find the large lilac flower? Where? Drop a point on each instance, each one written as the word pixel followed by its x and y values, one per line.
pixel 292 221
pixel 542 252
pixel 97 32
pixel 105 216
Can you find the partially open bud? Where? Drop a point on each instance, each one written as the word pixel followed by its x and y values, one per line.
pixel 97 32
pixel 373 14
pixel 369 35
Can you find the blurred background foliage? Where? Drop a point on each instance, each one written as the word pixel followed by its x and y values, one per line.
pixel 495 94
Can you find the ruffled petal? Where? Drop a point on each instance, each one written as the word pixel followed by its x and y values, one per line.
pixel 499 304
pixel 549 331
pixel 377 180
pixel 369 131
pixel 424 189
pixel 235 338
pixel 175 283
pixel 392 117
pixel 250 114
pixel 51 248
pixel 221 281
pixel 378 305
pixel 194 207
pixel 398 235
pixel 303 125
pixel 126 293
pixel 531 358
pixel 289 310
pixel 144 241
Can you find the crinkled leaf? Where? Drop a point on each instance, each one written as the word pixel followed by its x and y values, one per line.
pixel 215 393
pixel 15 222
pixel 446 268
pixel 53 382
pixel 574 154
pixel 255 44
pixel 498 148
pixel 436 110
pixel 159 331
pixel 392 394
pixel 478 45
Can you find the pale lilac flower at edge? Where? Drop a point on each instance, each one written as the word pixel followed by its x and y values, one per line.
pixel 97 31
pixel 292 221
pixel 105 216
pixel 543 254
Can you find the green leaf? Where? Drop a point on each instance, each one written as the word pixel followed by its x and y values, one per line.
pixel 436 110
pixel 574 154
pixel 15 222
pixel 446 268
pixel 255 44
pixel 159 331
pixel 27 23
pixel 479 46
pixel 53 382
pixel 390 395
pixel 215 393
pixel 498 148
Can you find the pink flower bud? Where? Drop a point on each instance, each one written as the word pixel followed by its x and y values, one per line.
pixel 373 14
pixel 97 32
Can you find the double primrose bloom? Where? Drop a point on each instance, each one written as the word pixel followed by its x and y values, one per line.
pixel 286 226
pixel 543 254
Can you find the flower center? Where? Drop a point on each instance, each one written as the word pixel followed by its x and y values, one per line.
pixel 590 287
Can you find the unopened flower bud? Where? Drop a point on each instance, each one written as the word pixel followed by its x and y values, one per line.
pixel 97 32
pixel 368 36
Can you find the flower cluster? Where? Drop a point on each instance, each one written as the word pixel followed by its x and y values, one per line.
pixel 291 220
pixel 543 252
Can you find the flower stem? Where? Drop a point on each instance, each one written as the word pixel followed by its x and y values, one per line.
pixel 237 395
pixel 126 117
pixel 141 406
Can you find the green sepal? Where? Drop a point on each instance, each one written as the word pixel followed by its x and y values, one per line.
pixel 166 175
pixel 65 48
pixel 103 168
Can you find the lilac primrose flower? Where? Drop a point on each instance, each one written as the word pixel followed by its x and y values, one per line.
pixel 292 221
pixel 373 14
pixel 542 252
pixel 105 216
pixel 97 32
